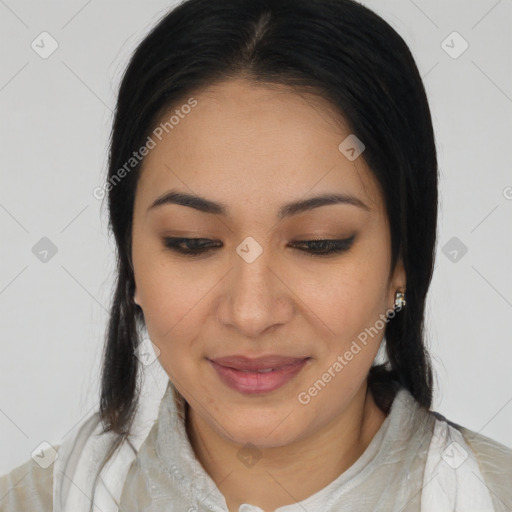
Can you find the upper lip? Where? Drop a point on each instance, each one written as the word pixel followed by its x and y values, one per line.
pixel 239 362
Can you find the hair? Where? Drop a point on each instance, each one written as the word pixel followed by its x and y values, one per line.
pixel 336 49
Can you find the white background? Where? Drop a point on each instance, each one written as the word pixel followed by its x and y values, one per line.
pixel 54 127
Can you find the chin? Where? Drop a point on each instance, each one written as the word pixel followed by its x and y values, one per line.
pixel 244 428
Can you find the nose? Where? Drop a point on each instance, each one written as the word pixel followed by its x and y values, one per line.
pixel 255 298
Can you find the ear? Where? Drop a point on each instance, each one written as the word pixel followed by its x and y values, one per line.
pixel 136 297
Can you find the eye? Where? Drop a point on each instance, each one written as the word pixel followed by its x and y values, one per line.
pixel 191 246
pixel 319 247
pixel 324 247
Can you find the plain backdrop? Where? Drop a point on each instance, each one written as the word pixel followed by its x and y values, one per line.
pixel 54 126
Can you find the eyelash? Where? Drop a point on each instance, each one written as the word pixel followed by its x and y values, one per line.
pixel 328 247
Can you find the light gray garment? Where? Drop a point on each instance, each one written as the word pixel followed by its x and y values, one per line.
pixel 166 476
pixel 388 476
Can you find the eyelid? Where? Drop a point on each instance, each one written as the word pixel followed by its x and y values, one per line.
pixel 331 247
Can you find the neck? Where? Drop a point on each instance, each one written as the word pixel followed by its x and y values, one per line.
pixel 290 473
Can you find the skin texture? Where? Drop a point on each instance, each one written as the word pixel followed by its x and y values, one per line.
pixel 254 148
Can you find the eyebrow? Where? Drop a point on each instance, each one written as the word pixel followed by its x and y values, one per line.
pixel 287 210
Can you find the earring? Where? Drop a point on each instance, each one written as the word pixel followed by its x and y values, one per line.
pixel 400 300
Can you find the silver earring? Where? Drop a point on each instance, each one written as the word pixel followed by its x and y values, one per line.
pixel 400 300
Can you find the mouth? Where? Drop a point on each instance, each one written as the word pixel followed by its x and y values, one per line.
pixel 256 376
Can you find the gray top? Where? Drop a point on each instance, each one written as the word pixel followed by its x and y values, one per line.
pixel 388 476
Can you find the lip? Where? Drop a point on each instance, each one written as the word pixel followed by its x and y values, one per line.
pixel 239 362
pixel 242 375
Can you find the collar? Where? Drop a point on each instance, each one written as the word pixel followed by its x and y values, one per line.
pixel 177 458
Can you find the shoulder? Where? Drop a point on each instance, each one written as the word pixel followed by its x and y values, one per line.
pixel 491 454
pixel 494 461
pixel 27 487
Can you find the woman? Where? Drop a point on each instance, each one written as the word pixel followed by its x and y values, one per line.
pixel 272 190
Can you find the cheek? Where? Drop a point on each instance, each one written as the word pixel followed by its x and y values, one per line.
pixel 173 316
pixel 171 303
pixel 173 299
pixel 347 298
pixel 160 288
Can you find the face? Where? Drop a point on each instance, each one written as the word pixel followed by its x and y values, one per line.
pixel 254 286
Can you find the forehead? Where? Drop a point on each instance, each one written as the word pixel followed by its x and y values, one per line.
pixel 245 144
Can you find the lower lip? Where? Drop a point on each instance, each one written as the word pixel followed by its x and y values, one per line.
pixel 253 382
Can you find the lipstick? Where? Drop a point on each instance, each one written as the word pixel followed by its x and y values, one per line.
pixel 257 375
